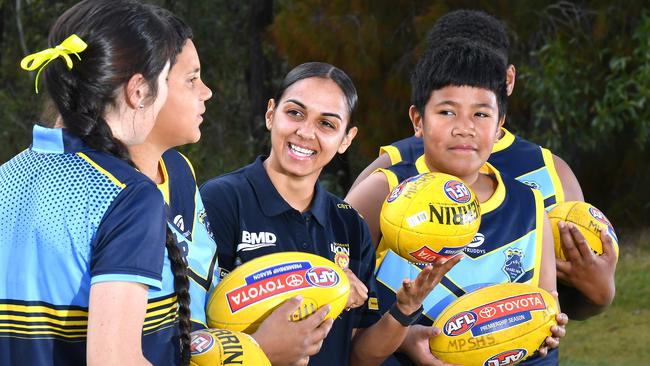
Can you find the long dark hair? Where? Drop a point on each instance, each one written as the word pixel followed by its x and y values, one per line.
pixel 181 33
pixel 326 71
pixel 124 37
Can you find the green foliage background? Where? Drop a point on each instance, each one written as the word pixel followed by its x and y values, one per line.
pixel 582 84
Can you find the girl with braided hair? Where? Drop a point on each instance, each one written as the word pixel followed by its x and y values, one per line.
pixel 83 266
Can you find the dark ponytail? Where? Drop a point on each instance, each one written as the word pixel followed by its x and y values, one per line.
pixel 181 32
pixel 124 37
pixel 181 287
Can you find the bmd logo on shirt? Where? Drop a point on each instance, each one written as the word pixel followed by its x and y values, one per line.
pixel 252 241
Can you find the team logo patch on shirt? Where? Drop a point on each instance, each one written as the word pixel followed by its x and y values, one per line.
pixel 373 303
pixel 514 266
pixel 252 240
pixel 341 254
pixel 203 219
pixel 474 247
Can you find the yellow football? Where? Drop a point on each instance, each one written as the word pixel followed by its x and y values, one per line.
pixel 588 219
pixel 496 325
pixel 428 216
pixel 218 347
pixel 246 296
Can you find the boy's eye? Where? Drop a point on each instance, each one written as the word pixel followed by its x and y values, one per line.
pixel 481 115
pixel 446 113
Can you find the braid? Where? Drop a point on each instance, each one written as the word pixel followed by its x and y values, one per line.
pixel 97 134
pixel 181 287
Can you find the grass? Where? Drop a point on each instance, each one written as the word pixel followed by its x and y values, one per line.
pixel 621 335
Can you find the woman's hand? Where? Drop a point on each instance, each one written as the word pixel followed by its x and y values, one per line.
pixel 358 291
pixel 286 342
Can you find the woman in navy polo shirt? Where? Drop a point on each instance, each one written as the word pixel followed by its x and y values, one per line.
pixel 276 204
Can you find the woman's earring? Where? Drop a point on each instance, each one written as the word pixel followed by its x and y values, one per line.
pixel 141 106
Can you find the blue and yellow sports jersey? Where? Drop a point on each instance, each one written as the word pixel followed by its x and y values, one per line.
pixel 507 247
pixel 188 221
pixel 75 217
pixel 513 156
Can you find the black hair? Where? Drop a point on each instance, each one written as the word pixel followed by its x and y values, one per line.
pixel 124 37
pixel 326 71
pixel 473 25
pixel 459 62
pixel 181 33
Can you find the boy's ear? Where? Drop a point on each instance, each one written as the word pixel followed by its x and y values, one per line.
pixel 511 72
pixel 416 120
pixel 497 134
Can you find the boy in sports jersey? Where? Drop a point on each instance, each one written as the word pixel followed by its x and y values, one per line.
pixel 586 284
pixel 459 97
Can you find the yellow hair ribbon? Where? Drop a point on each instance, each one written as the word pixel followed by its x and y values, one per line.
pixel 39 60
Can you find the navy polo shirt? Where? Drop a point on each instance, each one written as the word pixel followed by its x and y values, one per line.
pixel 250 219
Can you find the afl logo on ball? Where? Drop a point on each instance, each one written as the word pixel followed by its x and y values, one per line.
pixel 511 357
pixel 322 277
pixel 400 187
pixel 457 191
pixel 460 323
pixel 599 216
pixel 201 343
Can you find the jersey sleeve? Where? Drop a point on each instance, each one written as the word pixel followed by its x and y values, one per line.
pixel 130 242
pixel 369 313
pixel 221 206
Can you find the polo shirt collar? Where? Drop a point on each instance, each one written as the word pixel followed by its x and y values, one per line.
pixel 272 203
pixel 55 141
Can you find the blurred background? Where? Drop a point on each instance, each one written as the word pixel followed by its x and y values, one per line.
pixel 583 85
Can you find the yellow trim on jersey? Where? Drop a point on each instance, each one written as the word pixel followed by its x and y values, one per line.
pixel 504 142
pixel 160 312
pixel 499 193
pixel 188 164
pixel 421 165
pixel 171 300
pixel 102 170
pixel 163 187
pixel 65 323
pixel 552 172
pixel 43 309
pixel 393 153
pixel 391 179
pixel 539 226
